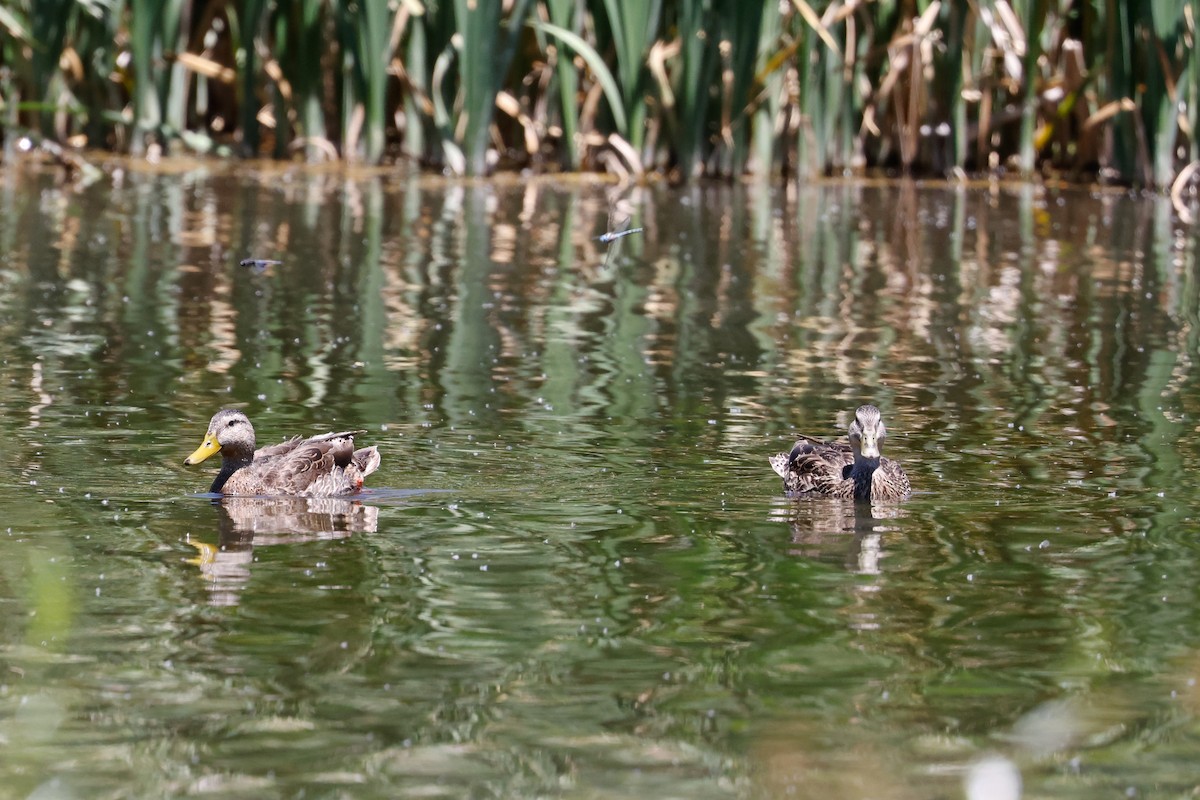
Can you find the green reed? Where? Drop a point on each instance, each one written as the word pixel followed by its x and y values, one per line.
pixel 634 29
pixel 563 17
pixel 1165 74
pixel 301 56
pixel 364 38
pixel 683 87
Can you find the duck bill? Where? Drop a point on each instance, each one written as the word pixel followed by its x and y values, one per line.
pixel 870 447
pixel 206 449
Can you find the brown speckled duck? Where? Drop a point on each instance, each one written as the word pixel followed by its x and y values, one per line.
pixel 323 466
pixel 833 469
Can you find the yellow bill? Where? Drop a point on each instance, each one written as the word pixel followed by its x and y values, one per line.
pixel 206 449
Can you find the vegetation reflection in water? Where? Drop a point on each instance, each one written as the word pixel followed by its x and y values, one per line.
pixel 575 575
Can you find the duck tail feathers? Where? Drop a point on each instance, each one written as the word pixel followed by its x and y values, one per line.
pixel 367 460
pixel 779 463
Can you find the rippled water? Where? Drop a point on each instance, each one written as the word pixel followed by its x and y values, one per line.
pixel 574 574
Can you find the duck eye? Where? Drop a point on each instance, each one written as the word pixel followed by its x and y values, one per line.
pixel 232 422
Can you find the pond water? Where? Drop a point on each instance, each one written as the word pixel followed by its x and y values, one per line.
pixel 575 574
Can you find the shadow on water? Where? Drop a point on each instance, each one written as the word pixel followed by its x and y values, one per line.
pixel 599 586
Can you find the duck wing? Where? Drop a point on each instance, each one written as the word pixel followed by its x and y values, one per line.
pixel 815 466
pixel 890 482
pixel 322 466
pixel 289 445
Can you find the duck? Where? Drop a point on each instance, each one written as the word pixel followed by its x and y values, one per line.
pixel 858 470
pixel 320 466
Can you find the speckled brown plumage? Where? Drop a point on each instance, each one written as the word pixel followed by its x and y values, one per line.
pixel 321 466
pixel 834 469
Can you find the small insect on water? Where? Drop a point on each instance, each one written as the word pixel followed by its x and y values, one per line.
pixel 258 264
pixel 613 237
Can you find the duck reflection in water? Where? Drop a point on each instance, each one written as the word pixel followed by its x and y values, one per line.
pixel 819 528
pixel 249 522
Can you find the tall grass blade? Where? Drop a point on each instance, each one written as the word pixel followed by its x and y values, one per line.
pixel 741 25
pixel 567 83
pixel 364 32
pixel 634 24
pixel 949 78
pixel 599 69
pixel 1190 91
pixel 1162 60
pixel 299 48
pixel 250 23
pixel 14 23
pixel 979 66
pixel 97 32
pixel 374 30
pixel 1113 27
pixel 836 105
pixel 172 83
pixel 697 63
pixel 416 66
pixel 809 148
pixel 1033 16
pixel 49 21
pixel 147 113
pixel 762 123
pixel 483 64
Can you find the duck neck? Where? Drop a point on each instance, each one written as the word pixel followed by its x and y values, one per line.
pixel 863 475
pixel 229 465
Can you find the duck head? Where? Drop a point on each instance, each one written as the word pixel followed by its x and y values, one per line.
pixel 230 434
pixel 867 432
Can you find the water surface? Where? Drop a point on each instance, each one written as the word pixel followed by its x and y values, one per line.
pixel 574 574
